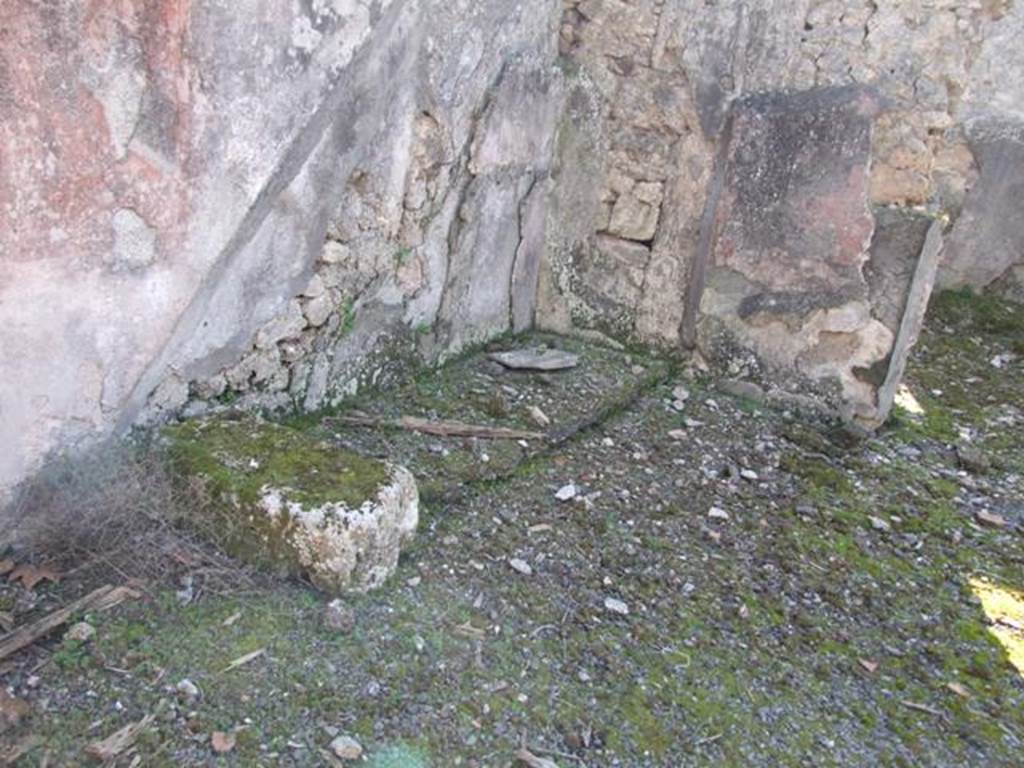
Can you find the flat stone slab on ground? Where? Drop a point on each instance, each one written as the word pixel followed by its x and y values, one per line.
pixel 536 359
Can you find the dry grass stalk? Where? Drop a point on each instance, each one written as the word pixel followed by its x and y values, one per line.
pixel 118 512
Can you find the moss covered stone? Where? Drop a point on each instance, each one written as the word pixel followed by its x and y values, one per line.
pixel 282 499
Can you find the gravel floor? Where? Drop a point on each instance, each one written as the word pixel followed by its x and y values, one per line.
pixel 695 580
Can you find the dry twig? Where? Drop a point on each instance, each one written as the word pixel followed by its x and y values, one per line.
pixel 441 428
pixel 241 661
pixel 28 634
pixel 119 741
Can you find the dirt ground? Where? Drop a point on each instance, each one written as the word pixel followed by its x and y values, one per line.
pixel 725 583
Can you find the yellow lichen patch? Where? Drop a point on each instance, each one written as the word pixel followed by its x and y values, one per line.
pixel 1005 609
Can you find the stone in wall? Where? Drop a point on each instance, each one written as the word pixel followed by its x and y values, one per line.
pixel 785 279
pixel 613 269
pixel 987 242
pixel 634 208
pixel 902 162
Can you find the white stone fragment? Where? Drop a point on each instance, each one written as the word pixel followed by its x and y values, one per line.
pixel 538 416
pixel 346 748
pixel 521 566
pixel 614 605
pixel 567 492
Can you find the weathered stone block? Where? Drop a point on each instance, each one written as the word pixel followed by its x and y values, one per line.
pixel 635 213
pixel 895 248
pixel 794 228
pixel 795 210
pixel 285 501
pixel 613 272
pixel 988 239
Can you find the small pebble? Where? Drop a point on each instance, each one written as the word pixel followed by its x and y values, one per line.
pixel 187 689
pixel 616 606
pixel 717 513
pixel 567 492
pixel 521 566
pixel 346 748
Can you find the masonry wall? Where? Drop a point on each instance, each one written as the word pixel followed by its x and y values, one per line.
pixel 723 169
pixel 274 203
pixel 262 201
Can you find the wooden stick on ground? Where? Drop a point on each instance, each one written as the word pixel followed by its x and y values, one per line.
pixel 121 740
pixel 921 708
pixel 28 634
pixel 441 428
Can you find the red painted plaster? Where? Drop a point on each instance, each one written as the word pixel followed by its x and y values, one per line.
pixel 61 177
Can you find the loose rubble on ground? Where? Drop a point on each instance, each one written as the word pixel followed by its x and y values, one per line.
pixel 675 575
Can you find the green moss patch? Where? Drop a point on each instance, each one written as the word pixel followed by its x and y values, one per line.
pixel 982 313
pixel 238 458
pixel 235 462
